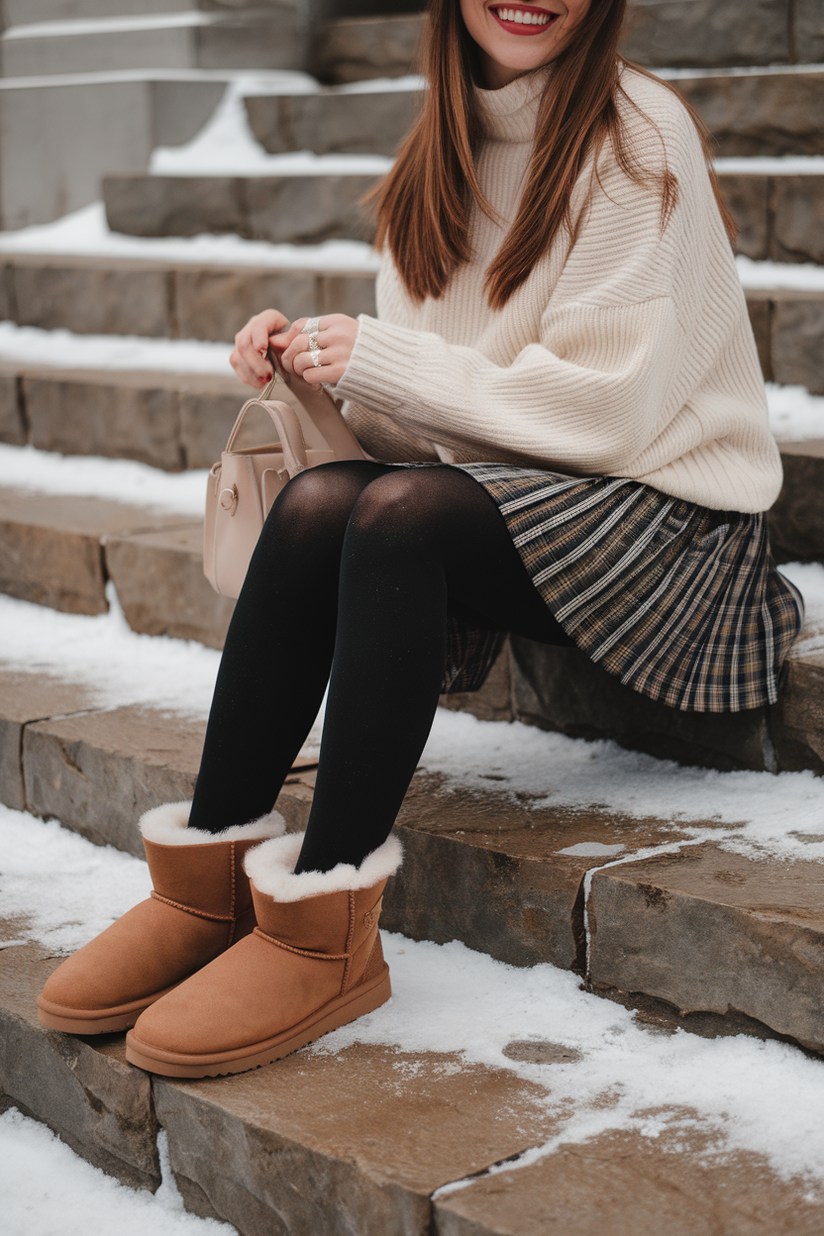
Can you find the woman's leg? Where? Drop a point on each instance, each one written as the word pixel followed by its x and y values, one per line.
pixel 278 651
pixel 419 542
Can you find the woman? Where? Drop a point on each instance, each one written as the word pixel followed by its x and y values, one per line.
pixel 563 340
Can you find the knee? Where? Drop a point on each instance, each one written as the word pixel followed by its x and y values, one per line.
pixel 314 500
pixel 392 511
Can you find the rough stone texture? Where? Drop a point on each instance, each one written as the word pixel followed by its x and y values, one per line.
pixel 258 40
pixel 92 295
pixel 809 31
pixel 798 219
pixel 155 299
pixel 13 427
pixel 707 929
pixel 51 546
pixel 625 1184
pixel 362 48
pixel 214 302
pixel 748 199
pixel 760 311
pixel 707 32
pixel 88 1095
pixel 348 1142
pixel 174 205
pixel 99 416
pixel 28 697
pixel 797 518
pixel 561 689
pixel 99 772
pixel 759 113
pixel 48 171
pixel 344 293
pixel 161 586
pixel 205 423
pixel 797 334
pixel 797 720
pixel 485 870
pixel 308 209
pixel 329 122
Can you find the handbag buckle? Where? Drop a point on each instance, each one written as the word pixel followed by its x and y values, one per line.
pixel 228 499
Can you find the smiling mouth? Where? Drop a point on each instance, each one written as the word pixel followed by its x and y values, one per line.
pixel 519 20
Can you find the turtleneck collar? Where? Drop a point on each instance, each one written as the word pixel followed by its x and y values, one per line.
pixel 509 114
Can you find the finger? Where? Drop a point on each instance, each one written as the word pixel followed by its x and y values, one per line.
pixel 244 371
pixel 263 325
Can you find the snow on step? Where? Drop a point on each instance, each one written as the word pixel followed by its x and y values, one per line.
pixel 482 1080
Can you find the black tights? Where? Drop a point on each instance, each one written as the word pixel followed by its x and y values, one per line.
pixel 354 574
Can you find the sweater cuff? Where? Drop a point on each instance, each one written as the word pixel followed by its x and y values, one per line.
pixel 383 366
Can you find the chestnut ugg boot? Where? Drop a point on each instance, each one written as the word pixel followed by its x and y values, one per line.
pixel 201 903
pixel 313 963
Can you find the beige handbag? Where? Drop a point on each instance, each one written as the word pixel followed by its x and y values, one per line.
pixel 245 483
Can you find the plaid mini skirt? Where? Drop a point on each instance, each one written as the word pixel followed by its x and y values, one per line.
pixel 679 602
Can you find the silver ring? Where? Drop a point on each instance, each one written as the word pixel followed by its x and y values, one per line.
pixel 311 329
pixel 315 354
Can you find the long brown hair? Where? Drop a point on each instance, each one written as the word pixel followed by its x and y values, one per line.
pixel 424 204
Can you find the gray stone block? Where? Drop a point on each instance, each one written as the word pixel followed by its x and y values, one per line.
pixel 626 1183
pixel 92 296
pixel 29 697
pixel 362 48
pixel 350 294
pixel 760 310
pixel 51 546
pixel 748 199
pixel 174 205
pixel 215 302
pixel 808 18
pixel 760 113
pixel 329 1144
pixel 692 930
pixel 797 519
pixel 797 720
pixel 307 209
pixel 330 122
pixel 707 32
pixel 99 772
pixel 205 422
pixel 161 586
pixel 96 1102
pixel 264 38
pixel 122 420
pixel 13 425
pixel 798 219
pixel 561 689
pixel 797 334
pixel 60 139
pixel 486 870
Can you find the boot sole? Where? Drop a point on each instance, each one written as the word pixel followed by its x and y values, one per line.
pixel 339 1012
pixel 85 1021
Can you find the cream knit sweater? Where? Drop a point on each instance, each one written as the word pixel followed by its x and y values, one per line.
pixel 629 354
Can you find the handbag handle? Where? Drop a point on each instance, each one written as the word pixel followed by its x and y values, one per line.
pixel 321 408
pixel 288 427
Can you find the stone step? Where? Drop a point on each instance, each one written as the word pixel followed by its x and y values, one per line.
pixel 359 49
pixel 788 323
pixel 500 872
pixel 188 300
pixel 285 209
pixel 780 214
pixel 758 112
pixel 169 420
pixel 61 551
pixel 268 37
pixel 261 1152
pixel 167 299
pixel 22 12
pixel 48 170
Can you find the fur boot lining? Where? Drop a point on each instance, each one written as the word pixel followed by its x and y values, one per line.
pixel 271 868
pixel 166 825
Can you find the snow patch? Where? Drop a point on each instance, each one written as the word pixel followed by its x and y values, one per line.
pixel 47 1188
pixel 791 276
pixel 61 349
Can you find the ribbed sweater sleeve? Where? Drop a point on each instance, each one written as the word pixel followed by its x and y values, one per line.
pixel 628 354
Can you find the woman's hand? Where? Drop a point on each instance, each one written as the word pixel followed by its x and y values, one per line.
pixel 249 358
pixel 336 338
